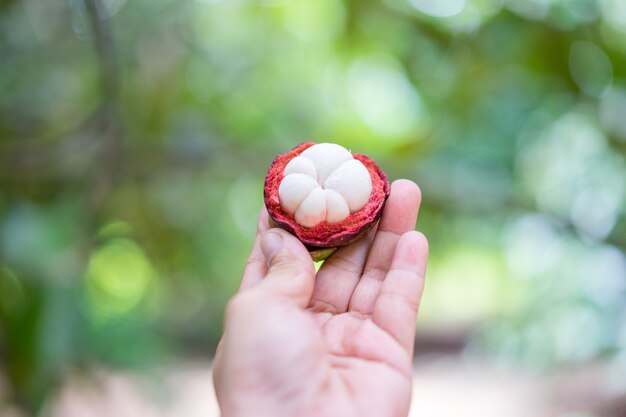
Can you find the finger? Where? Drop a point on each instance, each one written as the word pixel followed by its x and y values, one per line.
pixel 339 275
pixel 217 361
pixel 399 216
pixel 291 273
pixel 396 307
pixel 256 265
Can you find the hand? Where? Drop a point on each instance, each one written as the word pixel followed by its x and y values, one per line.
pixel 339 344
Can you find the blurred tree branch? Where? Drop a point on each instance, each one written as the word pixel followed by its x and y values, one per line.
pixel 109 154
pixel 105 49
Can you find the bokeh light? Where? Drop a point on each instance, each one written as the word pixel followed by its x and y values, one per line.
pixel 445 8
pixel 119 277
pixel 384 98
pixel 590 68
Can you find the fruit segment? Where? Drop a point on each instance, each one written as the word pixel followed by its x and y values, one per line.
pixel 294 189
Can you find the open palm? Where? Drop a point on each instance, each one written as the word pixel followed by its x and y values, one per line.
pixel 338 343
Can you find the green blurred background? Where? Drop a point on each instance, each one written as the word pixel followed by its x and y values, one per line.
pixel 135 136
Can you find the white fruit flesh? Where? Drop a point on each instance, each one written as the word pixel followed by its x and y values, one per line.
pixel 324 183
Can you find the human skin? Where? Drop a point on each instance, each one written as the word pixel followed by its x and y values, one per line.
pixel 335 343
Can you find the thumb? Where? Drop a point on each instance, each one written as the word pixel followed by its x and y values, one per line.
pixel 291 273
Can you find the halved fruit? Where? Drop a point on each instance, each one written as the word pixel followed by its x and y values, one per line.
pixel 324 195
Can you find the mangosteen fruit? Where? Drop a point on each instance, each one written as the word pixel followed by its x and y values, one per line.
pixel 324 195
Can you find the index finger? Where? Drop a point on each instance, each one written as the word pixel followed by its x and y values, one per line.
pixel 256 265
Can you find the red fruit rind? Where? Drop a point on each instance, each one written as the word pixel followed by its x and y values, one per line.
pixel 326 235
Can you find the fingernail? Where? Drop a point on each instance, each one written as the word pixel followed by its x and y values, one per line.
pixel 271 244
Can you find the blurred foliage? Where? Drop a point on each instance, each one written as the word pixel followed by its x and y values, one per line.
pixel 134 139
